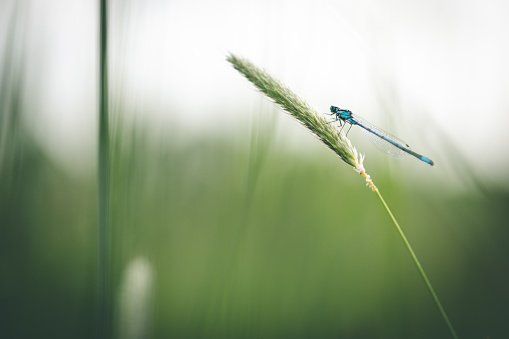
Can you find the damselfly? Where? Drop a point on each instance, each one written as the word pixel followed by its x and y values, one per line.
pixel 387 143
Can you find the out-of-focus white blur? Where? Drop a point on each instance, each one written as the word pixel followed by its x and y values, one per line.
pixel 427 71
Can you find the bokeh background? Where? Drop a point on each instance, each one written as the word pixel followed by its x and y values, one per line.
pixel 228 219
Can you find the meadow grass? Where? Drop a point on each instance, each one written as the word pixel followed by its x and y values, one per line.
pixel 103 175
pixel 306 268
pixel 328 134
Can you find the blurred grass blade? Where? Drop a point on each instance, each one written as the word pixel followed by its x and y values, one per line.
pixel 103 177
pixel 135 300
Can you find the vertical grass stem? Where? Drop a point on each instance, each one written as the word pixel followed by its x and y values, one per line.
pixel 103 177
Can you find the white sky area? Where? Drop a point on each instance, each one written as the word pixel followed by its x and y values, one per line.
pixel 429 72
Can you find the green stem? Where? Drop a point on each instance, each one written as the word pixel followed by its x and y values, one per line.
pixel 418 264
pixel 103 177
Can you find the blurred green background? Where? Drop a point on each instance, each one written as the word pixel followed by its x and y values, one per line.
pixel 228 220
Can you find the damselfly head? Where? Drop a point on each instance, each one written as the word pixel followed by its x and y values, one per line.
pixel 341 113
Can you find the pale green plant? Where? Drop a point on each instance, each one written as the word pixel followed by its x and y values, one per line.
pixel 135 300
pixel 330 136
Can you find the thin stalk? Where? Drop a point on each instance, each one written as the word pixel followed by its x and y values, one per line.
pixel 103 176
pixel 414 257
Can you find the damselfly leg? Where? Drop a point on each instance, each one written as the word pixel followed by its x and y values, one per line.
pixel 342 123
pixel 346 134
pixel 336 118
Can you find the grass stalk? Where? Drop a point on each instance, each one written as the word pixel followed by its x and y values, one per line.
pixel 330 136
pixel 103 178
pixel 417 263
